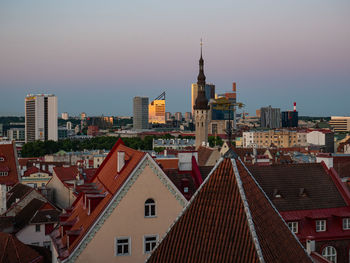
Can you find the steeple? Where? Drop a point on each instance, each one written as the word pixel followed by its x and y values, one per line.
pixel 201 76
pixel 201 102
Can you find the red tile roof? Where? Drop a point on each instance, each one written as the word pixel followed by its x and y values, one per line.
pixel 66 173
pixel 33 169
pixel 108 182
pixel 229 220
pixel 203 155
pixel 168 163
pixel 12 250
pixel 9 163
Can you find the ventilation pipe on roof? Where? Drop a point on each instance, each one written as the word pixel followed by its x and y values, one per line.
pixel 310 244
pixel 121 161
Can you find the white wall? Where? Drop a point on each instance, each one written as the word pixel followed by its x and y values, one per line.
pixel 28 235
pixel 316 138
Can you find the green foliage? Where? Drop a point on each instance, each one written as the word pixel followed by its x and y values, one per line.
pixel 215 140
pixel 159 149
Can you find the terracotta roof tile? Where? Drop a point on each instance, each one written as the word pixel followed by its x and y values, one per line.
pixel 203 155
pixel 17 192
pixel 9 163
pixel 14 251
pixel 215 226
pixel 289 179
pixel 66 173
pixel 168 163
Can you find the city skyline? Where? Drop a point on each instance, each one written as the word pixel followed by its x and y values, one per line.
pixel 95 57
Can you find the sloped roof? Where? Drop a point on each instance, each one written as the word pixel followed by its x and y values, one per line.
pixel 34 169
pixel 24 216
pixel 290 180
pixel 108 182
pixel 204 154
pixel 342 165
pixel 17 192
pixel 9 163
pixel 229 220
pixel 66 173
pixel 14 251
pixel 168 163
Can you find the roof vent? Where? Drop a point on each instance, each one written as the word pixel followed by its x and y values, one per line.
pixel 302 192
pixel 121 161
pixel 277 193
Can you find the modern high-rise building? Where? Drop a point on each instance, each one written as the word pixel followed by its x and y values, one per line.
pixel 270 117
pixel 41 117
pixel 140 113
pixel 156 110
pixel 209 90
pixel 178 116
pixel 340 123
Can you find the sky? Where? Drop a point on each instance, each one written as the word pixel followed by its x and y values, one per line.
pixel 95 56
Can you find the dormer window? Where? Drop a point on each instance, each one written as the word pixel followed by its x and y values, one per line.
pixel 2 158
pixel 346 223
pixel 150 208
pixel 4 173
pixel 302 192
pixel 121 161
pixel 320 225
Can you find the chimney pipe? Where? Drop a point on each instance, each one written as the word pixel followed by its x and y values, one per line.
pixel 310 244
pixel 295 106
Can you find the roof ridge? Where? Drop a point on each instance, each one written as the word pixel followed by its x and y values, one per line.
pixel 247 211
pixel 272 205
pixel 187 206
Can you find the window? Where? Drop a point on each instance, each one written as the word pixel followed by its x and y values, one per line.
pixel 330 253
pixel 122 246
pixel 37 228
pixel 293 226
pixel 35 243
pixel 150 208
pixel 2 159
pixel 346 223
pixel 4 173
pixel 150 243
pixel 320 225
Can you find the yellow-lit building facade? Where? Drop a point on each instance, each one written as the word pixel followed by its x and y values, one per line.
pixel 156 111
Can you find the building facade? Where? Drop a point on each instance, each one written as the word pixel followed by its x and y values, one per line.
pixel 209 90
pixel 156 110
pixel 41 118
pixel 140 113
pixel 270 117
pixel 340 124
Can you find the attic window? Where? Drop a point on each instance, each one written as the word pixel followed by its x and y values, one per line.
pixel 2 158
pixel 277 193
pixel 302 192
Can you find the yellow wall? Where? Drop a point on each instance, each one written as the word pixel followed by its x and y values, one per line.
pixel 156 111
pixel 127 220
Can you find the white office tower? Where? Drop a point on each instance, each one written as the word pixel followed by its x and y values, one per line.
pixel 41 117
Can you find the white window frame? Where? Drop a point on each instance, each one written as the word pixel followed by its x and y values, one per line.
pixel 4 173
pixel 144 243
pixel 116 246
pixel 321 225
pixel 330 253
pixel 346 223
pixel 2 159
pixel 149 205
pixel 293 226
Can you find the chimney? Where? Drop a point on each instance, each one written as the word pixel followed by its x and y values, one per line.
pixel 121 161
pixel 295 106
pixel 310 244
pixel 234 86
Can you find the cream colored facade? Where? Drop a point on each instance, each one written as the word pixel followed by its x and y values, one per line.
pixel 201 119
pixel 127 219
pixel 279 138
pixel 39 179
pixel 63 195
pixel 340 124
pixel 156 111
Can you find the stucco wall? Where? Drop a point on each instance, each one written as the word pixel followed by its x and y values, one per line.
pixel 63 197
pixel 28 235
pixel 127 220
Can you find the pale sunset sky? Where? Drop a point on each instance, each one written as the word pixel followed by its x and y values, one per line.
pixel 97 55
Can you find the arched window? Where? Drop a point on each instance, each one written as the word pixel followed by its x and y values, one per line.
pixel 330 253
pixel 150 208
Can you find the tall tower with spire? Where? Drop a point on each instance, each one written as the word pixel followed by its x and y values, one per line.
pixel 201 108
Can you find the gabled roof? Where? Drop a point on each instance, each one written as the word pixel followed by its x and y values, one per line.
pixel 342 165
pixel 204 154
pixel 24 216
pixel 33 170
pixel 291 179
pixel 17 192
pixel 14 251
pixel 66 173
pixel 110 185
pixel 9 163
pixel 229 219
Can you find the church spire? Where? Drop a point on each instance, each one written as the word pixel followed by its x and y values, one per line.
pixel 201 76
pixel 201 100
